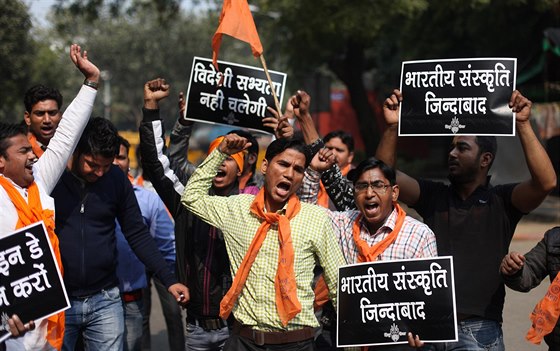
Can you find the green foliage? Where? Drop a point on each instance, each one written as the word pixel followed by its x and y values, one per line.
pixel 134 48
pixel 16 55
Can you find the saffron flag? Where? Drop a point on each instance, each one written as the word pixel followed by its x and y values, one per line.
pixel 236 20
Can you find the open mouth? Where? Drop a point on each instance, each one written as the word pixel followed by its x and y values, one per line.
pixel 47 129
pixel 371 208
pixel 221 173
pixel 283 188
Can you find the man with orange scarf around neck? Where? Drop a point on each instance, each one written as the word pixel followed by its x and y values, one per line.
pixel 26 185
pixel 273 242
pixel 379 229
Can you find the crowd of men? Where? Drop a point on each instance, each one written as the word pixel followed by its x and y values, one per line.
pixel 252 257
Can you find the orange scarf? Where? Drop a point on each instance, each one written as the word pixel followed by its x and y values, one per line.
pixel 37 150
pixel 370 254
pixel 365 252
pixel 28 213
pixel 322 195
pixel 244 179
pixel 546 313
pixel 287 302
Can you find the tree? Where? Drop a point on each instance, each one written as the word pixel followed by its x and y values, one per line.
pixel 16 55
pixel 134 47
pixel 338 35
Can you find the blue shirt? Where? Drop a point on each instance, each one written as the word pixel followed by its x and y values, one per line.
pixel 130 271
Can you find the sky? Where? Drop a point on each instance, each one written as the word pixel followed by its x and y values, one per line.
pixel 40 9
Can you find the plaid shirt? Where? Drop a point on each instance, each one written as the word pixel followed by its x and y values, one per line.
pixel 415 239
pixel 312 236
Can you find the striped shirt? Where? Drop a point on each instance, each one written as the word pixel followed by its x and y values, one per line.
pixel 415 239
pixel 312 236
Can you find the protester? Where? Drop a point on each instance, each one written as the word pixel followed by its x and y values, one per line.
pixel 473 221
pixel 302 236
pixel 130 271
pixel 42 115
pixel 380 230
pixel 27 184
pixel 525 272
pixel 341 144
pixel 202 261
pixel 90 197
pixel 250 176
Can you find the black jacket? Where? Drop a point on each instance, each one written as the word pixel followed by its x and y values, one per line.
pixel 202 260
pixel 85 225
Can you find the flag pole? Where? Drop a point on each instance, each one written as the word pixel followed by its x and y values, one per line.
pixel 263 62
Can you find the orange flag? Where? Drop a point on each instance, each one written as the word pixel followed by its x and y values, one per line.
pixel 236 20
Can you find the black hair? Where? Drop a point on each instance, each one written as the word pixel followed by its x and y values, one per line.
pixel 487 144
pixel 345 137
pixel 39 93
pixel 100 138
pixel 8 131
pixel 124 142
pixel 280 145
pixel 372 163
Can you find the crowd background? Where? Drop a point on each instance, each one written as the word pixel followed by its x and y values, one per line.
pixel 346 74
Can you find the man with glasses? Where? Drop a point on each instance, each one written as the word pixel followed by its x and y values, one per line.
pixel 379 230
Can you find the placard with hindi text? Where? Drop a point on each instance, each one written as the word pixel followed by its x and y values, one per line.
pixel 457 97
pixel 379 302
pixel 236 95
pixel 31 285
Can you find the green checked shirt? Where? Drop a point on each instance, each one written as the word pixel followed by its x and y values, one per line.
pixel 312 236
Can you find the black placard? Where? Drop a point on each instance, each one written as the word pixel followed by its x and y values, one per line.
pixel 239 101
pixel 31 285
pixel 379 302
pixel 457 97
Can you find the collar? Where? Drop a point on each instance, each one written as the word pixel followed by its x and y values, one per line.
pixel 388 225
pixel 281 211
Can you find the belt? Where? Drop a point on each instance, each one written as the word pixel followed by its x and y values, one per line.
pixel 207 323
pixel 273 338
pixel 131 296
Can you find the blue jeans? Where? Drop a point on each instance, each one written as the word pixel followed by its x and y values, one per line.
pixel 171 312
pixel 133 316
pixel 475 334
pixel 99 318
pixel 198 339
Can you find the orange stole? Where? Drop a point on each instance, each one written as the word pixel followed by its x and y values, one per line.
pixel 370 254
pixel 28 213
pixel 287 302
pixel 35 145
pixel 546 313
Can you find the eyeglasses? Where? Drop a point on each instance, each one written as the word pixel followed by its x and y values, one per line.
pixel 378 187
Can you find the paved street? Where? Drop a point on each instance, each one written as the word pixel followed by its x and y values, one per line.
pixel 516 312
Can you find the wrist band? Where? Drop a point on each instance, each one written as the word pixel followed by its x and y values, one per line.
pixel 91 83
pixel 315 146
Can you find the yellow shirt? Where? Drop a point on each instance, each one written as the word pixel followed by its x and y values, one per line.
pixel 312 236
